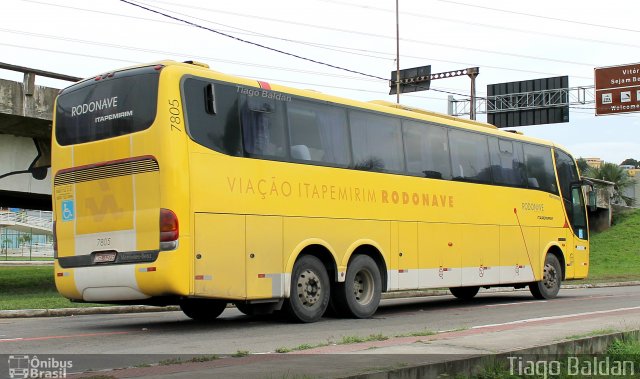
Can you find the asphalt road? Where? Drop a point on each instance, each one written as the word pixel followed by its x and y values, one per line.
pixel 145 334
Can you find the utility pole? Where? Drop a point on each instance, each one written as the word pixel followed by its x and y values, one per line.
pixel 397 53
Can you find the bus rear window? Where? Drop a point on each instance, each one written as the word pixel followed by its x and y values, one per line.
pixel 110 107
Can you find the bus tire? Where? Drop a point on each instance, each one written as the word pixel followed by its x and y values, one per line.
pixel 204 310
pixel 549 286
pixel 260 309
pixel 310 290
pixel 359 295
pixel 464 293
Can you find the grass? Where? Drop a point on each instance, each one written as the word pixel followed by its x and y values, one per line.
pixel 615 253
pixel 304 346
pixel 31 287
pixel 356 339
pixel 12 258
pixel 346 340
pixel 171 361
pixel 599 332
pixel 625 351
pixel 420 333
pixel 179 361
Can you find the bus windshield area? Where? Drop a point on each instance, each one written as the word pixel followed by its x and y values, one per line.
pixel 114 105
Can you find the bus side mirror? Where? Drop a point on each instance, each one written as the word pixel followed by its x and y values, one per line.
pixel 592 195
pixel 593 203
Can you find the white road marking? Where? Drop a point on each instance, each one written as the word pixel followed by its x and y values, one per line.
pixel 556 317
pixel 517 303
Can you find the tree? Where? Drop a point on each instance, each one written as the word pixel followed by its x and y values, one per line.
pixel 631 162
pixel 24 239
pixel 5 245
pixel 582 165
pixel 611 172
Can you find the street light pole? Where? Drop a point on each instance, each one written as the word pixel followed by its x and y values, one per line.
pixel 397 54
pixel 473 73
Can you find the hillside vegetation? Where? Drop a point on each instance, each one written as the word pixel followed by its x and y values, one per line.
pixel 615 253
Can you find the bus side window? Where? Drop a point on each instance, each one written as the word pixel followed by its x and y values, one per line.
pixel 262 126
pixel 318 132
pixel 426 149
pixel 470 156
pixel 539 165
pixel 377 142
pixel 507 164
pixel 218 128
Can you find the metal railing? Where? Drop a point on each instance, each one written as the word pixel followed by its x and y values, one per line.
pixel 26 220
pixel 35 71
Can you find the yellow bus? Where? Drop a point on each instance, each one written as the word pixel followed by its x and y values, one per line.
pixel 176 184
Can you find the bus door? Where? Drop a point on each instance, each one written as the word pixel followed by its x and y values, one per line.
pixel 580 235
pixel 577 252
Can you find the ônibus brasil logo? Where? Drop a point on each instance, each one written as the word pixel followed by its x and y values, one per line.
pixel 24 367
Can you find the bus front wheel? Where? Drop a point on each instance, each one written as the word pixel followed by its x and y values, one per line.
pixel 549 286
pixel 202 309
pixel 359 295
pixel 310 290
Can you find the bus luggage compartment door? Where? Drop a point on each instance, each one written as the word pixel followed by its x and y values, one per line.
pixel 219 261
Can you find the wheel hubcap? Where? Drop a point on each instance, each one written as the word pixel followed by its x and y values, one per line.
pixel 363 287
pixel 309 288
pixel 550 277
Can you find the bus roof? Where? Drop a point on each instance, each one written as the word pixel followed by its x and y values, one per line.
pixel 376 105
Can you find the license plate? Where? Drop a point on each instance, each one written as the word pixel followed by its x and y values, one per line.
pixel 104 257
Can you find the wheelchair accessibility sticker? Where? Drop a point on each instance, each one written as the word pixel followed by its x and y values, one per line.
pixel 68 211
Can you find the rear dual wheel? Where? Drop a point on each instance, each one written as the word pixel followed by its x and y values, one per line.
pixel 310 290
pixel 359 295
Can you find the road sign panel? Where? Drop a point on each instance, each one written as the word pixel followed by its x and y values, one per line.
pixel 617 89
pixel 411 80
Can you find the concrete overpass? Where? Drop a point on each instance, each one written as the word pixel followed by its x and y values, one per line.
pixel 26 112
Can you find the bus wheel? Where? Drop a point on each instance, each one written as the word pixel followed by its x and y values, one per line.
pixel 202 309
pixel 549 286
pixel 464 293
pixel 260 309
pixel 359 295
pixel 310 288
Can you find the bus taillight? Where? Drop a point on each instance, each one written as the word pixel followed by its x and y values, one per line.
pixel 169 230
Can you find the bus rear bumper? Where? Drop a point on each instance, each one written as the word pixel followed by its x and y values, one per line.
pixel 100 283
pixel 107 294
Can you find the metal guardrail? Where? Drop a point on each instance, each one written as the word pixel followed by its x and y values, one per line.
pixel 48 74
pixel 23 219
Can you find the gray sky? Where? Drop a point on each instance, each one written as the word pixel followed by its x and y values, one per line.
pixel 508 40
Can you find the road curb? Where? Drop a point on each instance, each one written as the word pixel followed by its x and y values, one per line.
pixel 58 312
pixel 62 312
pixel 474 365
